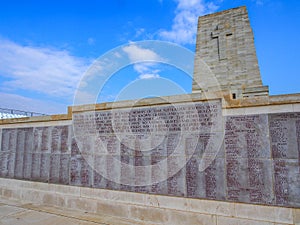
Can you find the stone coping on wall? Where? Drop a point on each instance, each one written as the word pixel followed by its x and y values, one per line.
pixel 146 208
pixel 258 105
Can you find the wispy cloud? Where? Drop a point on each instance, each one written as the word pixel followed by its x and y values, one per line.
pixel 259 2
pixel 146 70
pixel 184 27
pixel 139 32
pixel 15 101
pixel 91 41
pixel 147 76
pixel 52 72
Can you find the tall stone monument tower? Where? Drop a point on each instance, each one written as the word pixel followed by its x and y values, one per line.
pixel 225 44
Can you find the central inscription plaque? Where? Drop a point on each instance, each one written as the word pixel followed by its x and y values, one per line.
pixel 146 147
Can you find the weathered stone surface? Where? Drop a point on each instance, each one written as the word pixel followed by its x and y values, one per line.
pixel 225 45
pixel 258 159
pixel 248 159
pixel 285 145
pixel 60 199
pixel 126 143
pixel 26 154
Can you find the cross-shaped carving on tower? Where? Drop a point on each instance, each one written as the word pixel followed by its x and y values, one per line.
pixel 225 43
pixel 221 32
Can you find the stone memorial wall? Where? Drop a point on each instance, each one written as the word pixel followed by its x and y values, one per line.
pixel 187 149
pixel 227 141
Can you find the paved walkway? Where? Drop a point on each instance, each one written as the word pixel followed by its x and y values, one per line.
pixel 15 213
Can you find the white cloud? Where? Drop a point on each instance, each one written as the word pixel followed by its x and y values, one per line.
pixel 146 70
pixel 184 27
pixel 42 70
pixel 146 76
pixel 145 67
pixel 137 54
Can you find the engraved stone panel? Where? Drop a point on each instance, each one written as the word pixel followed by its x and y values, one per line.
pixel 28 146
pixel 248 174
pixel 176 182
pixel 210 182
pixel 215 180
pixel 64 169
pixel 3 163
pixel 41 154
pixel 74 167
pixel 54 168
pixel 36 153
pixel 99 168
pixel 284 136
pixel 193 179
pixel 36 165
pixel 5 151
pixel 86 173
pixel 12 144
pixel 20 153
pixel 158 154
pixel 56 135
pixel 127 173
pixel 45 165
pixel 80 171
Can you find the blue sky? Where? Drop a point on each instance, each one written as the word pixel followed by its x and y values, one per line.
pixel 47 46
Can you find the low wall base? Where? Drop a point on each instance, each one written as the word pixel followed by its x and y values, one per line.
pixel 149 209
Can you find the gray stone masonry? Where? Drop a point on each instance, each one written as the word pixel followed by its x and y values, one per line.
pixel 225 43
